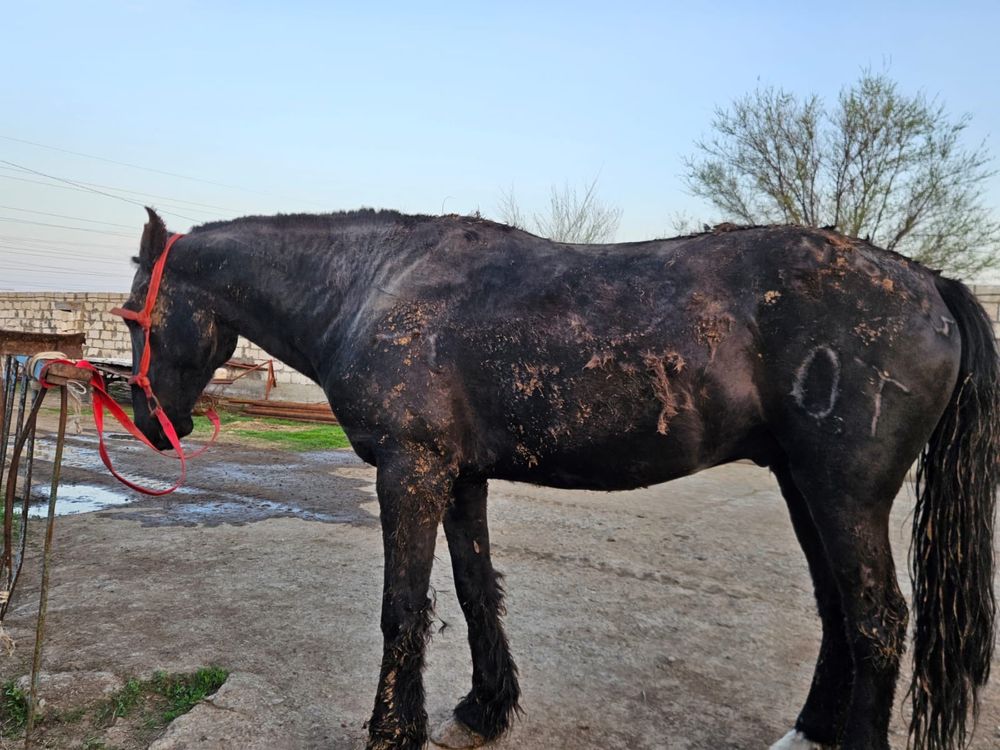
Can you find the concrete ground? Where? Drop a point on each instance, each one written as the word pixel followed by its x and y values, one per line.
pixel 679 616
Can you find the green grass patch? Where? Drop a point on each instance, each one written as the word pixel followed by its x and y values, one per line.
pixel 15 524
pixel 120 704
pixel 157 702
pixel 282 433
pixel 142 708
pixel 183 692
pixel 231 417
pixel 13 708
pixel 324 437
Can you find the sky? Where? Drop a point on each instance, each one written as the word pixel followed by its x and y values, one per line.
pixel 212 110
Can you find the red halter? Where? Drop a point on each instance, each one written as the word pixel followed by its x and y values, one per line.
pixel 102 400
pixel 145 319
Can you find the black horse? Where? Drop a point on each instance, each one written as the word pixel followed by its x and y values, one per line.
pixel 454 349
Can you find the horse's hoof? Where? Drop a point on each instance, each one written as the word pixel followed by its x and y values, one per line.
pixel 454 734
pixel 795 740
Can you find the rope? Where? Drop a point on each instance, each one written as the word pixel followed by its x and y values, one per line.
pixel 75 388
pixel 36 358
pixel 100 400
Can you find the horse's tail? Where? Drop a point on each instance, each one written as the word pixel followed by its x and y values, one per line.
pixel 952 553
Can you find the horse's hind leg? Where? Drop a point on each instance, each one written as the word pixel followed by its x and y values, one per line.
pixel 413 487
pixel 485 713
pixel 821 720
pixel 852 521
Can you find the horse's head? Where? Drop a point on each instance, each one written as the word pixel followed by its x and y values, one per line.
pixel 187 340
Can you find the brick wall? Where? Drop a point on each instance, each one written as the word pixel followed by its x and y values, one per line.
pixel 107 335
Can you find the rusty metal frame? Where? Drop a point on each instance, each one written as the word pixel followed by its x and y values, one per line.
pixel 18 434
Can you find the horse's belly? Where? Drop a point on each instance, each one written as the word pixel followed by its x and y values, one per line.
pixel 625 462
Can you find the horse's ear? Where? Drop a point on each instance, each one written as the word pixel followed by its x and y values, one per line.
pixel 154 239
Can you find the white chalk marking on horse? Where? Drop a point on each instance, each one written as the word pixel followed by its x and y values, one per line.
pixel 432 353
pixel 796 740
pixel 802 374
pixel 946 324
pixel 883 378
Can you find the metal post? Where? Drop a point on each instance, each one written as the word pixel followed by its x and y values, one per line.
pixel 43 599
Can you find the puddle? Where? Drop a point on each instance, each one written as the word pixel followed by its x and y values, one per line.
pixel 204 502
pixel 79 498
pixel 82 498
pixel 214 512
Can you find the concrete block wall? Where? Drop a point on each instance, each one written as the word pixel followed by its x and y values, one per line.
pixel 108 338
pixel 989 296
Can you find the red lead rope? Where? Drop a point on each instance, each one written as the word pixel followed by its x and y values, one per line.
pixel 102 400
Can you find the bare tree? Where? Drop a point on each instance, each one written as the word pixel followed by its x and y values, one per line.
pixel 681 222
pixel 878 164
pixel 573 216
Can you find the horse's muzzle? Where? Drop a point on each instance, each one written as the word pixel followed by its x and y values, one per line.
pixel 151 428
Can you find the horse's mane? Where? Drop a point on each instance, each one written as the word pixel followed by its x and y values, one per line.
pixel 372 217
pixel 366 216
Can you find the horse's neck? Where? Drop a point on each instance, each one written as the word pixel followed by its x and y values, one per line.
pixel 292 306
pixel 276 332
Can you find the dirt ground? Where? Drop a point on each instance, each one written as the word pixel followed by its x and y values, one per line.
pixel 680 616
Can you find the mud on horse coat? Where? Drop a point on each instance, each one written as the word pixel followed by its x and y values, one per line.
pixel 455 350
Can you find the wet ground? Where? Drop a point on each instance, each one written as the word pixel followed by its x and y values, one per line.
pixel 679 616
pixel 232 491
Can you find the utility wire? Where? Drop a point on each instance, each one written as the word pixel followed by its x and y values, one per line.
pixel 61 267
pixel 64 216
pixel 90 189
pixel 61 264
pixel 63 272
pixel 29 287
pixel 61 243
pixel 35 252
pixel 63 226
pixel 167 198
pixel 150 169
pixel 124 163
pixel 162 206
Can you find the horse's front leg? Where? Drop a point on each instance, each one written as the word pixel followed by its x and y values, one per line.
pixel 414 486
pixel 485 713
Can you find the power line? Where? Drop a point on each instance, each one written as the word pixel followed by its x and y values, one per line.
pixel 118 190
pixel 63 272
pixel 60 264
pixel 47 287
pixel 64 216
pixel 61 243
pixel 35 252
pixel 126 164
pixel 150 169
pixel 84 187
pixel 30 265
pixel 63 226
pixel 11 277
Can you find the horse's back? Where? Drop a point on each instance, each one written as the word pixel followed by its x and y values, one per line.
pixel 623 365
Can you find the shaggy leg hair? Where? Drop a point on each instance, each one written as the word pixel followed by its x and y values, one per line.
pixel 413 487
pixel 822 718
pixel 493 700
